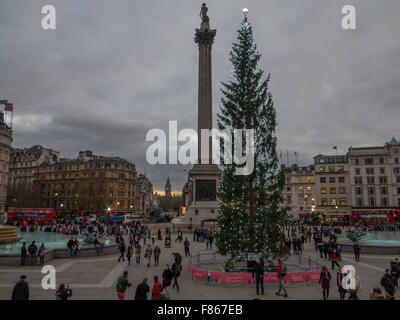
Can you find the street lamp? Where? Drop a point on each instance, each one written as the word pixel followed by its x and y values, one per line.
pixel 245 11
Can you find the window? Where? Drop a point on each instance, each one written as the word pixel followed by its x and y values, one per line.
pixel 323 190
pixel 383 190
pixel 358 171
pixel 342 190
pixel 322 179
pixel 371 202
pixel 324 201
pixel 371 190
pixel 341 179
pixel 396 160
pixel 398 190
pixel 358 180
pixel 288 189
pixel 356 161
pixel 358 190
pixel 308 188
pixel 300 188
pixel 331 160
pixel 370 180
pixel 396 170
pixel 332 190
pixel 332 180
pixel 343 202
pixel 331 169
pixel 397 179
pixel 382 170
pixel 369 170
pixel 382 179
pixel 300 179
pixel 322 169
pixel 398 202
pixel 369 160
pixel 381 160
pixel 308 179
pixel 384 202
pixel 359 202
pixel 333 202
pixel 340 168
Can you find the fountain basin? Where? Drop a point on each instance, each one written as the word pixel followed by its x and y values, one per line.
pixel 375 242
pixel 8 234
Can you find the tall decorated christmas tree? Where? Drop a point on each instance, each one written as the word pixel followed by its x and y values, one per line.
pixel 250 212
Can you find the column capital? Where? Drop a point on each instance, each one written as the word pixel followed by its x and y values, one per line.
pixel 205 37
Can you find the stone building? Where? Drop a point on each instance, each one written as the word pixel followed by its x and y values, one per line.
pixel 375 176
pixel 299 191
pixel 144 195
pixel 5 151
pixel 332 184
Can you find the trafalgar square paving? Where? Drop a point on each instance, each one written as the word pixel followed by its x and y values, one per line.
pixel 95 278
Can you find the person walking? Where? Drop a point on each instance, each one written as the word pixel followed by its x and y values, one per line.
pixel 129 254
pixel 138 253
pixel 211 238
pixel 281 272
pixel 70 246
pixel 122 250
pixel 258 271
pixel 157 289
pixel 339 281
pixel 167 279
pixel 63 292
pixel 142 290
pixel 21 289
pixel 324 281
pixel 356 249
pixel 176 272
pixel 389 282
pixel 157 252
pixel 148 254
pixel 42 253
pixel 334 259
pixel 186 245
pixel 32 253
pixel 122 284
pixel 23 254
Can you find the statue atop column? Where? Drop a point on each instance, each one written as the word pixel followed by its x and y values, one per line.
pixel 203 13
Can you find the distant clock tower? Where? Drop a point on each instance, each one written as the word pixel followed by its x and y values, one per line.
pixel 168 189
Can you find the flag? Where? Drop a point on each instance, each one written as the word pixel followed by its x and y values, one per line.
pixel 3 102
pixel 335 147
pixel 9 107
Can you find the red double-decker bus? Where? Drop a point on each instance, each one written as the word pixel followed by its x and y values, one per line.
pixel 39 215
pixel 367 215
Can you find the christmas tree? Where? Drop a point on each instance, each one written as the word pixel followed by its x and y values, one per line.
pixel 250 213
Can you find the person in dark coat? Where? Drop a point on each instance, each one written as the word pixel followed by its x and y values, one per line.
pixel 167 279
pixel 324 280
pixel 21 290
pixel 258 271
pixel 142 290
pixel 389 282
pixel 23 254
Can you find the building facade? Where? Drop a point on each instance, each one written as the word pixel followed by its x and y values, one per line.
pixel 5 151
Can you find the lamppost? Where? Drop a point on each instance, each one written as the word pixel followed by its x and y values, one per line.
pixel 62 209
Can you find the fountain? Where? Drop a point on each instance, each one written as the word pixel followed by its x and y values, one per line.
pixel 8 234
pixel 379 242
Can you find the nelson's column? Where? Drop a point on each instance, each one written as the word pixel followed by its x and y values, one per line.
pixel 203 179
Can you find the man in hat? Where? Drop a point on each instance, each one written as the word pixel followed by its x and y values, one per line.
pixel 21 290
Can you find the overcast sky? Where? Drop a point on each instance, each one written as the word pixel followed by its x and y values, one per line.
pixel 112 70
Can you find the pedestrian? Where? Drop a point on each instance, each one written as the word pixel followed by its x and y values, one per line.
pixel 357 249
pixel 334 259
pixel 281 272
pixel 376 294
pixel 148 254
pixel 142 290
pixel 324 281
pixel 122 284
pixel 138 253
pixel 21 289
pixel 389 282
pixel 186 245
pixel 157 289
pixel 42 253
pixel 63 292
pixel 156 252
pixel 211 239
pixel 167 279
pixel 153 239
pixel 23 254
pixel 339 280
pixel 258 271
pixel 122 250
pixel 32 253
pixel 129 254
pixel 176 272
pixel 70 246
